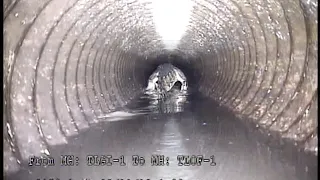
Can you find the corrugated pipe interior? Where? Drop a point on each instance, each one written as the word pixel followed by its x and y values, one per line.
pixel 66 62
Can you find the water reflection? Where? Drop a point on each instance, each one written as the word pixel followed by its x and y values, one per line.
pixel 174 101
pixel 200 128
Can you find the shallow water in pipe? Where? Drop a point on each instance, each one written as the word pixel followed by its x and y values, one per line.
pixel 195 127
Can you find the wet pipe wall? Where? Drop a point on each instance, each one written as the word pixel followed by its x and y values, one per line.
pixel 67 62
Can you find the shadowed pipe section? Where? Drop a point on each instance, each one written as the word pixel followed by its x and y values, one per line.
pixel 177 85
pixel 68 62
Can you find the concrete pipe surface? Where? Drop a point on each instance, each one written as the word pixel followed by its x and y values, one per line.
pixel 70 65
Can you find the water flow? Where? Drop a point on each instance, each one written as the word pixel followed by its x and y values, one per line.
pixel 198 127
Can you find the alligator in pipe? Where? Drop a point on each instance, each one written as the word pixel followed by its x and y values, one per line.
pixel 167 78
